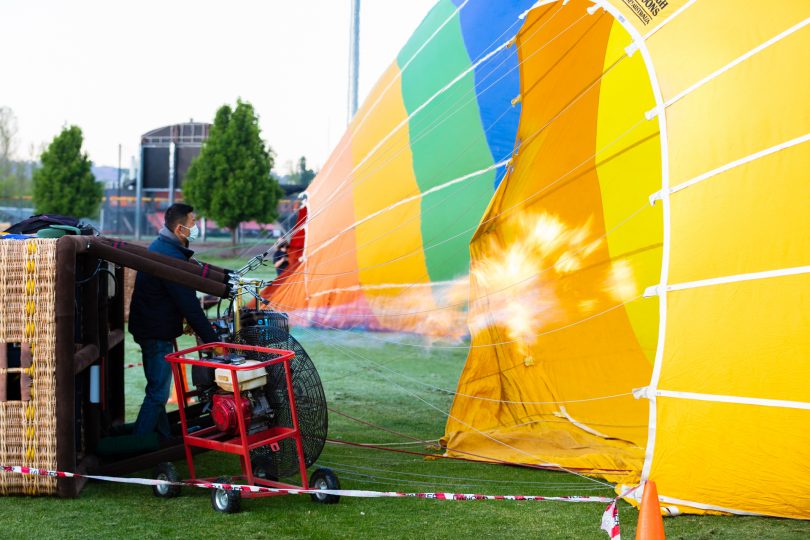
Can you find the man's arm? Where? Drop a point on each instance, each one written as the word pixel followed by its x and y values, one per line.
pixel 186 301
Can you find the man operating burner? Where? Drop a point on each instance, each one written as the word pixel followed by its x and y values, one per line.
pixel 156 318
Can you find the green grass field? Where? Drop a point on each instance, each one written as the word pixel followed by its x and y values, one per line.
pixel 358 372
pixel 379 379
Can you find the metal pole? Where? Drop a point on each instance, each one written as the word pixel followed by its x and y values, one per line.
pixel 172 171
pixel 118 190
pixel 139 198
pixel 354 57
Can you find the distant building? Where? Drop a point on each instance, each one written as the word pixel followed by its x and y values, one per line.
pixel 166 154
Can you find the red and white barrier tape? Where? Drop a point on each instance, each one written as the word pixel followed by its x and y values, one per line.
pixel 128 366
pixel 610 519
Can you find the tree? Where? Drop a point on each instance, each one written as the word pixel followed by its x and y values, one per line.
pixel 230 180
pixel 8 130
pixel 64 184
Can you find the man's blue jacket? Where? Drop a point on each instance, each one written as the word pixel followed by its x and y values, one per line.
pixel 158 306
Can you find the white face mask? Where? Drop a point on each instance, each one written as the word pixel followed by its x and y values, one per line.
pixel 193 232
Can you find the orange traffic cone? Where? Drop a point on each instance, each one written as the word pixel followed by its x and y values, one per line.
pixel 173 396
pixel 650 524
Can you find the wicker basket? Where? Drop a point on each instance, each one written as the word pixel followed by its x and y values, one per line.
pixel 27 316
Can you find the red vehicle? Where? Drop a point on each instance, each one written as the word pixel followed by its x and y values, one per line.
pixel 240 422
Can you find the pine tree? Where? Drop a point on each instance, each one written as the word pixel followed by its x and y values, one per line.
pixel 230 180
pixel 65 184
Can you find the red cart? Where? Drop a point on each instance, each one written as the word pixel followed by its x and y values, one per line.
pixel 241 443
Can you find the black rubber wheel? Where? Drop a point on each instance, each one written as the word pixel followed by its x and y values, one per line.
pixel 166 471
pixel 226 500
pixel 324 479
pixel 264 467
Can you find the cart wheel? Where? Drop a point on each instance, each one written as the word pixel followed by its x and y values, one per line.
pixel 166 471
pixel 225 500
pixel 264 467
pixel 324 479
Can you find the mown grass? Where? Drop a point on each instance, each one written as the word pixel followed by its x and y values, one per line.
pixel 389 381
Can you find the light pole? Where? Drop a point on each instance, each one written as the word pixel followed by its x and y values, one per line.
pixel 354 58
pixel 118 192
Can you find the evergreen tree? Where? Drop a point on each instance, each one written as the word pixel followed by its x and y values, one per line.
pixel 65 184
pixel 230 180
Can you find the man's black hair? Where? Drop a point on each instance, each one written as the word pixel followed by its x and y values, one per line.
pixel 176 215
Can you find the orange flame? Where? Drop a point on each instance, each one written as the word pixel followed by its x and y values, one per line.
pixel 526 282
pixel 534 273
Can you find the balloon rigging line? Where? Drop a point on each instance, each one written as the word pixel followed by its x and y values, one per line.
pixel 472 428
pixel 369 424
pixel 594 83
pixel 489 460
pixel 475 97
pixel 367 478
pixel 483 57
pixel 408 443
pixel 532 136
pixel 741 161
pixel 367 112
pixel 431 246
pixel 361 179
pixel 562 420
pixel 476 300
pixel 737 61
pixel 436 123
pixel 403 123
pixel 349 467
pixel 467 347
pixel 385 286
pixel 386 459
pixel 394 459
pixel 568 106
pixel 358 474
pixel 562 56
pixel 398 151
pixel 488 436
pixel 477 225
pixel 529 198
pixel 479 299
pixel 508 402
pixel 406 200
pixel 327 203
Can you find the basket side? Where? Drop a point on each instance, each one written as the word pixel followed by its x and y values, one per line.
pixel 27 316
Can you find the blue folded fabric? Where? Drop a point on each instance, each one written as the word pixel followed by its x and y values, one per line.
pixel 9 236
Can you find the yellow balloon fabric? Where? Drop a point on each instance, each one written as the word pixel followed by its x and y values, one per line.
pixel 651 235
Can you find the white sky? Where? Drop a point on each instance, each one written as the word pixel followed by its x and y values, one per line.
pixel 118 69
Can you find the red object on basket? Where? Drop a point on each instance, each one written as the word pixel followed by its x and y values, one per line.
pixel 224 414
